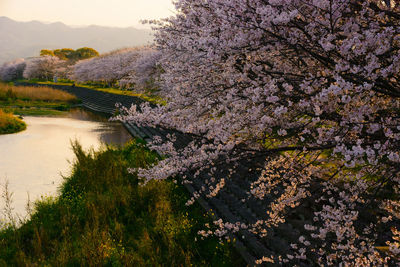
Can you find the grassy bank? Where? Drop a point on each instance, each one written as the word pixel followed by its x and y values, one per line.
pixel 10 124
pixel 147 96
pixel 31 100
pixel 103 217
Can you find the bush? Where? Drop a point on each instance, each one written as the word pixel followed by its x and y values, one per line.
pixel 10 124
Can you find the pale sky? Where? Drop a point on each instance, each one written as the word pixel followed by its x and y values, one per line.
pixel 116 13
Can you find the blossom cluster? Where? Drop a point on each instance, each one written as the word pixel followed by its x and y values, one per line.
pixel 44 67
pixel 117 67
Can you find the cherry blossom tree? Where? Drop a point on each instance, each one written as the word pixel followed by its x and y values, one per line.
pixel 145 71
pixel 312 86
pixel 109 68
pixel 44 67
pixel 12 70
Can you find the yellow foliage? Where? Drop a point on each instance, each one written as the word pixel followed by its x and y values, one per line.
pixel 5 118
pixel 9 123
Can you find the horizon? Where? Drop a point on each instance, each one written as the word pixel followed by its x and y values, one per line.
pixel 78 26
pixel 124 13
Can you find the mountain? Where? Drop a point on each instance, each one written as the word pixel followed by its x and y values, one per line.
pixel 26 39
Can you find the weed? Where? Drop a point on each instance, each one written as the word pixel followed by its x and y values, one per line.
pixel 104 217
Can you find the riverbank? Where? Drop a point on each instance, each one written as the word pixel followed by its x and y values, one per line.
pixel 104 217
pixel 10 124
pixel 30 100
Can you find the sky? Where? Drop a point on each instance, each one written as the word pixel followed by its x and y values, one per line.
pixel 115 13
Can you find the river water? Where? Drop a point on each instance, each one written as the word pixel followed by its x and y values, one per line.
pixel 33 161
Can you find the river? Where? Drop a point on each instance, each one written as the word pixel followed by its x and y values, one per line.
pixel 33 161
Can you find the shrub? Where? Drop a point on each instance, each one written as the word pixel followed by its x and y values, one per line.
pixel 10 124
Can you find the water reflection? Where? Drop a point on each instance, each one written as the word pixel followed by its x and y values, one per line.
pixel 109 132
pixel 33 160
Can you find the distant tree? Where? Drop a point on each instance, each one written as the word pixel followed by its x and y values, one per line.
pixel 146 71
pixel 12 70
pixel 63 71
pixel 114 67
pixel 42 67
pixel 57 53
pixel 64 54
pixel 68 53
pixel 85 53
pixel 46 52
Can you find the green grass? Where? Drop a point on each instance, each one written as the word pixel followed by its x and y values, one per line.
pixel 35 111
pixel 10 124
pixel 103 217
pixel 35 108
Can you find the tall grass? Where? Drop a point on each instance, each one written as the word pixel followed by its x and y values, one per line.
pixel 103 217
pixel 10 124
pixel 8 91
